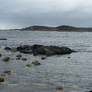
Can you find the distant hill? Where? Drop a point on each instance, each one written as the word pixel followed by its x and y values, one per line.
pixel 58 28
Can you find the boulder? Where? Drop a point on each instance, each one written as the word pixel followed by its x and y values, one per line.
pixel 24 59
pixel 7 48
pixel 6 59
pixel 59 87
pixel 50 50
pixel 8 72
pixel 36 62
pixel 3 39
pixel 19 55
pixel 44 50
pixel 1 79
pixel 29 65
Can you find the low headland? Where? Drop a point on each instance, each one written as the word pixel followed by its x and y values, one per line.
pixel 58 28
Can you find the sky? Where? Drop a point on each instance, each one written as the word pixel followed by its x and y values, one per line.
pixel 24 13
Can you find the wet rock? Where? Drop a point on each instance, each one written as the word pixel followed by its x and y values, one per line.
pixel 43 58
pixel 36 62
pixel 26 49
pixel 59 87
pixel 3 39
pixel 24 59
pixel 8 72
pixel 39 85
pixel 69 57
pixel 13 49
pixel 44 50
pixel 6 59
pixel 1 79
pixel 3 75
pixel 64 91
pixel 0 55
pixel 19 55
pixel 18 58
pixel 75 86
pixel 7 48
pixel 29 65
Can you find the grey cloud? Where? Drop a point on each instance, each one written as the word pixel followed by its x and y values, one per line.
pixel 22 13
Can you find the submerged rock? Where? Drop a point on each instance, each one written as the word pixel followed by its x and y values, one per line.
pixel 29 65
pixel 19 55
pixel 24 59
pixel 1 79
pixel 8 72
pixel 0 55
pixel 64 91
pixel 59 87
pixel 35 62
pixel 13 49
pixel 7 48
pixel 43 58
pixel 44 50
pixel 6 59
pixel 3 39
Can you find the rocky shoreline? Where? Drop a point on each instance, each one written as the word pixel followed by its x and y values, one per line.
pixel 42 50
pixel 35 50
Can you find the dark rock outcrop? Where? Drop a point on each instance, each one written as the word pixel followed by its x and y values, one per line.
pixel 1 79
pixel 3 39
pixel 44 50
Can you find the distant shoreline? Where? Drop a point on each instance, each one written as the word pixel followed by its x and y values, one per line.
pixel 63 28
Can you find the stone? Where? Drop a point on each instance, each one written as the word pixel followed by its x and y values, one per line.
pixel 44 50
pixel 64 91
pixel 7 48
pixel 3 39
pixel 24 59
pixel 29 65
pixel 36 62
pixel 43 58
pixel 1 79
pixel 13 49
pixel 59 87
pixel 19 55
pixel 8 72
pixel 6 59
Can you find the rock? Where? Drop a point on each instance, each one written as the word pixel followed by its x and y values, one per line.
pixel 3 75
pixel 1 79
pixel 19 55
pixel 35 62
pixel 29 65
pixel 24 59
pixel 0 55
pixel 64 91
pixel 8 72
pixel 13 49
pixel 69 57
pixel 59 87
pixel 25 49
pixel 3 39
pixel 75 86
pixel 6 59
pixel 89 91
pixel 44 50
pixel 39 85
pixel 43 58
pixel 7 48
pixel 50 50
pixel 18 58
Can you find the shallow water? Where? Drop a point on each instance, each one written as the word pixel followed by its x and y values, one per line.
pixel 53 71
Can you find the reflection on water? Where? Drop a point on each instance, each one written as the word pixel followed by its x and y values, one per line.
pixel 73 73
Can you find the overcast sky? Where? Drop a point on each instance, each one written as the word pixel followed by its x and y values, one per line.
pixel 22 13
